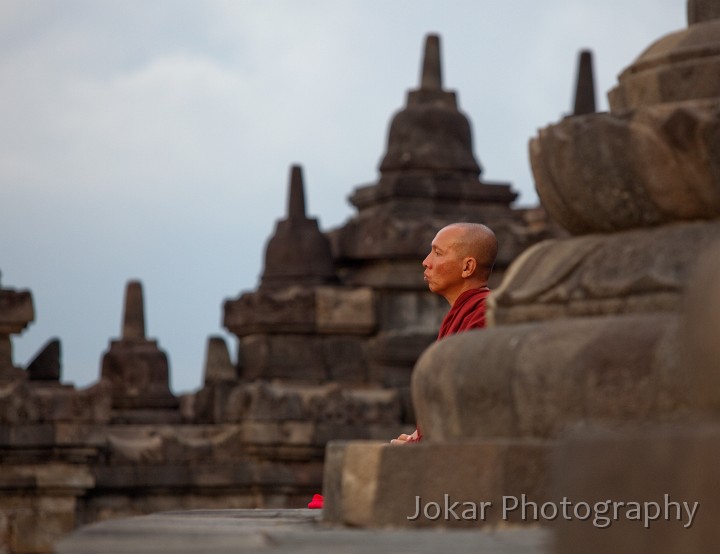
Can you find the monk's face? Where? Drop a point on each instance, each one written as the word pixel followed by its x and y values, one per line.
pixel 443 265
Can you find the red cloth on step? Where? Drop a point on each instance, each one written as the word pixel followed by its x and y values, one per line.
pixel 317 502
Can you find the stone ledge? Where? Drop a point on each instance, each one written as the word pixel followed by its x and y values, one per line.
pixel 283 531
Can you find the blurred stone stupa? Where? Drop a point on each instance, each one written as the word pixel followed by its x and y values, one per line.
pixel 137 369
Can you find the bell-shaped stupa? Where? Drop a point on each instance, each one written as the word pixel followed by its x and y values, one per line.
pixel 429 177
pixel 297 253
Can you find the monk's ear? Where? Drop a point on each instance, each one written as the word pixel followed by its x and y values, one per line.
pixel 469 267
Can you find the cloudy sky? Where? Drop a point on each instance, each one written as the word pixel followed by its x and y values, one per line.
pixel 152 139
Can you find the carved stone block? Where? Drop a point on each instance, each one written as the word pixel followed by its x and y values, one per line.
pixel 349 311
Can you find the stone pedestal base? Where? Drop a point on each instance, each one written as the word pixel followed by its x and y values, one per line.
pixel 468 484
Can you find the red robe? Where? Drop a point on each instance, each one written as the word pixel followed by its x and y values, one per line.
pixel 468 312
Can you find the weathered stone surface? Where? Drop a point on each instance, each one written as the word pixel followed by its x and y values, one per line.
pixel 343 310
pixel 345 359
pixel 138 373
pixel 284 356
pixel 16 311
pixel 71 479
pixel 679 66
pixel 308 358
pixel 391 358
pixel 263 401
pixel 218 367
pixel 642 465
pixel 699 325
pixel 38 503
pixel 639 271
pixel 287 310
pixel 286 433
pixel 210 402
pixel 22 402
pixel 8 372
pixel 607 172
pixel 330 403
pixel 33 524
pixel 534 380
pixel 414 312
pixel 702 10
pixel 382 274
pixel 377 485
pixel 301 309
pixel 397 348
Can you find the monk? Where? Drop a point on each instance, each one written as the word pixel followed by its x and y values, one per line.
pixel 457 268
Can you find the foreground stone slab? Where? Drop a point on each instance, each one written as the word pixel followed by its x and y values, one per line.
pixel 465 484
pixel 284 531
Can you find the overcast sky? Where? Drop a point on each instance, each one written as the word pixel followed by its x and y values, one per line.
pixel 153 139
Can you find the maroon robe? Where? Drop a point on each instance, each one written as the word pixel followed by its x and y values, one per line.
pixel 468 312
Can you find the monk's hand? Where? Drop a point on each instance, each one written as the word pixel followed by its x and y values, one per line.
pixel 404 439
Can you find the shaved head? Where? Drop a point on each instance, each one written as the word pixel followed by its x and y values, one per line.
pixel 461 257
pixel 478 241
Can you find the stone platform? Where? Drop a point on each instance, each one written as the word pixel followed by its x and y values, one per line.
pixel 284 531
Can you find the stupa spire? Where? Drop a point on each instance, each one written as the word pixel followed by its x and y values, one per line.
pixel 134 313
pixel 296 196
pixel 585 85
pixel 431 77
